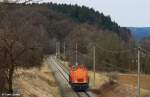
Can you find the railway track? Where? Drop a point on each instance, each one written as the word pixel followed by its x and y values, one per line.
pixel 66 70
pixel 64 73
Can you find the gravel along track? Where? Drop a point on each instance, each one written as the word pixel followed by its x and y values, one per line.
pixel 62 76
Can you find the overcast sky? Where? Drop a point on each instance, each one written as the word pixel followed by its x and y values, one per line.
pixel 124 12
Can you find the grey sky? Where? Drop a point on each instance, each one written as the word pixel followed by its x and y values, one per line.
pixel 124 12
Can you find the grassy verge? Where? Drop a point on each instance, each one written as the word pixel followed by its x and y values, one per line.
pixel 36 82
pixel 112 85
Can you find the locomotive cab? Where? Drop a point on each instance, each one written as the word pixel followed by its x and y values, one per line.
pixel 78 77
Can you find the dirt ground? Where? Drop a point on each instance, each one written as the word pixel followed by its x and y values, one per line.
pixel 36 82
pixel 121 87
pixel 132 80
pixel 104 87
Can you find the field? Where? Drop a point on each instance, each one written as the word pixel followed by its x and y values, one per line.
pixel 123 86
pixel 36 82
pixel 132 80
pixel 116 85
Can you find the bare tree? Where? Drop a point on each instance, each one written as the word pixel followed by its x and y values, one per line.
pixel 21 1
pixel 22 43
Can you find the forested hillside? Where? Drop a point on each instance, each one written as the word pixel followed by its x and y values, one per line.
pixel 74 24
pixel 87 15
pixel 28 32
pixel 145 42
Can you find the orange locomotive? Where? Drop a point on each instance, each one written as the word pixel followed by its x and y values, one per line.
pixel 78 77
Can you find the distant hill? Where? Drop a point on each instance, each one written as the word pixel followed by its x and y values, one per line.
pixel 83 14
pixel 72 24
pixel 140 32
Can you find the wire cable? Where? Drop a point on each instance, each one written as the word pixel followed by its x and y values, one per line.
pixel 114 51
pixel 146 52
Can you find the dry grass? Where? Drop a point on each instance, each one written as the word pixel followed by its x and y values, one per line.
pixel 100 79
pixel 36 82
pixel 132 80
pixel 106 87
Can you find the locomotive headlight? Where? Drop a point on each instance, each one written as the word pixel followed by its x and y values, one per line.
pixel 75 81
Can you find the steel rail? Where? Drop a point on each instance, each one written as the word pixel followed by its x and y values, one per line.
pixel 79 94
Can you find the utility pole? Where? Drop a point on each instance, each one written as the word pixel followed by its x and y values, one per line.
pixel 56 49
pixel 76 54
pixel 64 48
pixel 138 74
pixel 94 66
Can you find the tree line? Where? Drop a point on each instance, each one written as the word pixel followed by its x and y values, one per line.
pixel 28 32
pixel 23 40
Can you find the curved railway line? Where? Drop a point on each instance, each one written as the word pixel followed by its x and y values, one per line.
pixel 63 72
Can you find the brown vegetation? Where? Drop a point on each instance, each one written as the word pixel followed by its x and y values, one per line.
pixel 124 86
pixel 36 82
pixel 132 80
pixel 28 32
pixel 22 41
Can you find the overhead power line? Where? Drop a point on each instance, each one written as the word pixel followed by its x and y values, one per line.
pixel 114 51
pixel 146 52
